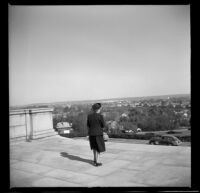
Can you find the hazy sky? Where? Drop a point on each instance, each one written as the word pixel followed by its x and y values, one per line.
pixel 61 53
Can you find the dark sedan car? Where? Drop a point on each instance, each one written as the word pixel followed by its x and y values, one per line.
pixel 165 140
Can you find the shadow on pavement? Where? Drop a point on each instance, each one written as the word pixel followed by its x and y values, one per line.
pixel 77 158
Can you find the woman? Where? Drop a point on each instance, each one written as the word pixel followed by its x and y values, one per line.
pixel 96 123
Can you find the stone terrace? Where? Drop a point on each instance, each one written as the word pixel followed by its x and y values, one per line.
pixel 62 162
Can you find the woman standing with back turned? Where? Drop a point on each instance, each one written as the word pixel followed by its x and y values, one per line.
pixel 96 123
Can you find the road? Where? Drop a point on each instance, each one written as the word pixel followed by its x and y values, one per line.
pixel 132 141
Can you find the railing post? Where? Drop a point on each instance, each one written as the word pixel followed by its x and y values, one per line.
pixel 28 125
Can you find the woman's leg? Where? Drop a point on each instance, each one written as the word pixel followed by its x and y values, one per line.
pixel 98 155
pixel 95 155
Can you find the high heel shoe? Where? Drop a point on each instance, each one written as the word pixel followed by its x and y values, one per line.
pixel 97 164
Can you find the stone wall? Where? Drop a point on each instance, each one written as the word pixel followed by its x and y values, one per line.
pixel 28 124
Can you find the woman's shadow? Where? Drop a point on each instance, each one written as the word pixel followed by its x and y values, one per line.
pixel 77 158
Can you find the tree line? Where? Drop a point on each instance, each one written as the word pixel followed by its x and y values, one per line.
pixel 153 118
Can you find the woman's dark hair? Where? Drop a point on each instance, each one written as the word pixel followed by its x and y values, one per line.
pixel 96 106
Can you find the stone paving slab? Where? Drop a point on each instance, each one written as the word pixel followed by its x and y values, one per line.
pixel 119 178
pixel 75 177
pixel 107 169
pixel 165 176
pixel 142 165
pixel 113 151
pixel 58 162
pixel 134 157
pixel 19 178
pixel 109 155
pixel 30 167
pixel 52 182
pixel 177 161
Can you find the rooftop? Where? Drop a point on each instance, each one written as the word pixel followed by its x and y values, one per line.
pixel 64 162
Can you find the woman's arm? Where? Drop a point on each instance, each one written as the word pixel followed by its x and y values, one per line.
pixel 102 121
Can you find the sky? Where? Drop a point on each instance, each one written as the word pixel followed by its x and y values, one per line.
pixel 65 53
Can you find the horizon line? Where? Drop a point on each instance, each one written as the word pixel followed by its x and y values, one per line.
pixel 90 100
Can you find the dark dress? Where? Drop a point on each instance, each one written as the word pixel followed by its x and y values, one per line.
pixel 96 123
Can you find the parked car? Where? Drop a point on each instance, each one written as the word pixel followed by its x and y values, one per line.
pixel 139 130
pixel 65 130
pixel 165 140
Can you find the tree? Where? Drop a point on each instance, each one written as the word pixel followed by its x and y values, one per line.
pixel 154 118
pixel 129 126
pixel 79 123
pixel 113 115
pixel 123 119
pixel 66 109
